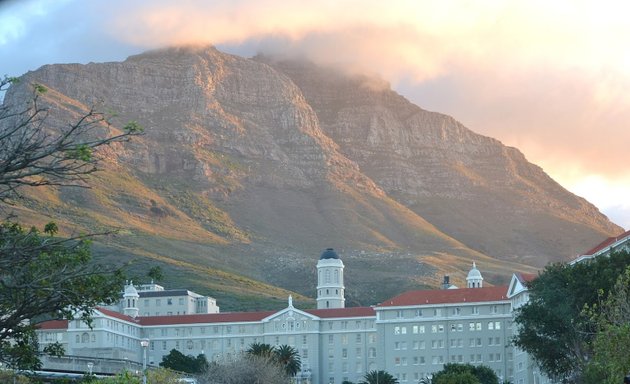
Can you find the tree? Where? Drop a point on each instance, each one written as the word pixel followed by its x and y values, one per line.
pixel 284 355
pixel 35 153
pixel 261 350
pixel 42 276
pixel 177 361
pixel 465 373
pixel 610 358
pixel 553 326
pixel 378 377
pixel 246 369
pixel 288 358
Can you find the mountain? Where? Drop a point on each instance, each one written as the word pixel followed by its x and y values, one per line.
pixel 250 167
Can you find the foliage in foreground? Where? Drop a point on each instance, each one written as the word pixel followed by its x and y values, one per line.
pixel 465 374
pixel 43 277
pixel 245 369
pixel 378 377
pixel 177 361
pixel 556 327
pixel 283 355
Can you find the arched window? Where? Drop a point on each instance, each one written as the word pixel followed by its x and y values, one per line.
pixel 85 338
pixel 78 339
pixel 327 304
pixel 93 338
pixel 336 276
pixel 327 276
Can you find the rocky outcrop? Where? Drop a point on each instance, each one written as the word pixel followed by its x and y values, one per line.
pixel 286 158
pixel 470 186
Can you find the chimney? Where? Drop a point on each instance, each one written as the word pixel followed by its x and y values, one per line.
pixel 446 284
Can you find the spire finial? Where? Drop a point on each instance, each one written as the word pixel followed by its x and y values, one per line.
pixel 290 301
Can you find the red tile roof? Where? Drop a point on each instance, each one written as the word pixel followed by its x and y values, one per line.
pixel 448 296
pixel 53 324
pixel 606 243
pixel 342 312
pixel 525 277
pixel 229 317
pixel 226 317
pixel 117 315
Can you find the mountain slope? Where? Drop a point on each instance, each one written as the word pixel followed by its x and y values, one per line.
pixel 251 169
pixel 469 186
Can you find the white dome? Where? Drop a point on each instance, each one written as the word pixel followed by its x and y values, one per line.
pixel 474 273
pixel 130 290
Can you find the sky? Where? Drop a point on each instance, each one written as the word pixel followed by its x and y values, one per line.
pixel 551 78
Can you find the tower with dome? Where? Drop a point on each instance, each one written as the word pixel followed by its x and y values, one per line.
pixel 330 288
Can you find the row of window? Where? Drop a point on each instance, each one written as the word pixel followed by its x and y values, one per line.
pixel 439 328
pixel 168 300
pixel 439 312
pixel 439 359
pixel 358 338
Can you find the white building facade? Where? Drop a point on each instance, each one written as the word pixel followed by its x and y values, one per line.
pixel 411 335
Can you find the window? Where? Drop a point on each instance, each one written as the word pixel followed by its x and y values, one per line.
pixel 359 338
pixel 372 353
pixel 497 325
pixel 169 301
pixel 331 353
pixel 475 310
pixel 344 353
pixel 344 325
pixel 330 339
pixel 434 328
pixel 164 345
pixel 304 340
pixel 396 360
pixel 478 326
pixel 491 326
pixel 344 339
pixel 418 312
pixel 396 330
pixel 181 301
pixel 158 302
pixel 437 312
pixel 456 311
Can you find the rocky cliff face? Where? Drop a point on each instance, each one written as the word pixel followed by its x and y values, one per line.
pixel 470 186
pixel 261 164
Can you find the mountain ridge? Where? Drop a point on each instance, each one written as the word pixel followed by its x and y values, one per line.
pixel 248 167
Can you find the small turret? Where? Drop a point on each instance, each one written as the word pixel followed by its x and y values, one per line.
pixel 130 300
pixel 474 279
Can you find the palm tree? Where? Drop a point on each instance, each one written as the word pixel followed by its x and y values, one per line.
pixel 379 377
pixel 288 358
pixel 261 350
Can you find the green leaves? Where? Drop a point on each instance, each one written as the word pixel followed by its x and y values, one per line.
pixel 557 326
pixel 133 127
